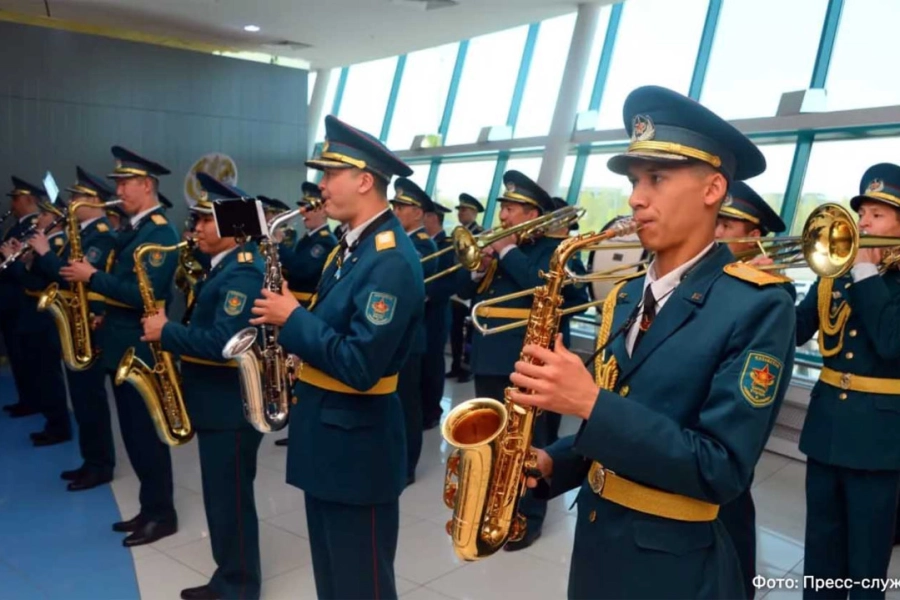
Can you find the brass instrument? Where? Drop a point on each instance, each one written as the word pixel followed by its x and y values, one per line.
pixel 189 272
pixel 70 309
pixel 469 248
pixel 493 440
pixel 159 386
pixel 26 247
pixel 266 372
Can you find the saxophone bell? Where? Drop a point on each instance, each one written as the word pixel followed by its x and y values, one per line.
pixel 264 414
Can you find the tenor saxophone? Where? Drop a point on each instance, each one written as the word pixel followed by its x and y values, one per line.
pixel 485 474
pixel 69 309
pixel 159 386
pixel 266 371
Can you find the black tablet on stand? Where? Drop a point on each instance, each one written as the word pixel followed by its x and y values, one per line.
pixel 242 218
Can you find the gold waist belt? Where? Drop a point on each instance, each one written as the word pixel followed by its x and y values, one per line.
pixel 208 363
pixel 319 379
pixel 160 304
pixel 503 313
pixel 302 296
pixel 641 498
pixel 858 383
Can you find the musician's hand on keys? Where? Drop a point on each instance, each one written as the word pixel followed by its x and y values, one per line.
pixel 96 322
pixel 554 380
pixel 153 327
pixel 39 243
pixel 77 271
pixel 544 465
pixel 274 309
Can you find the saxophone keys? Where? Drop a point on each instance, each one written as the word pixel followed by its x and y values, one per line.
pixel 517 528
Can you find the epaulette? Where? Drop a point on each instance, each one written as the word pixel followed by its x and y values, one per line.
pixel 102 227
pixel 385 241
pixel 245 257
pixel 750 274
pixel 58 241
pixel 158 219
pixel 423 236
pixel 324 233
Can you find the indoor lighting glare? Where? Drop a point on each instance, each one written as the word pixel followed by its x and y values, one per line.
pixel 251 28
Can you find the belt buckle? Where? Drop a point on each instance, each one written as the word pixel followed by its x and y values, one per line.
pixel 845 381
pixel 597 478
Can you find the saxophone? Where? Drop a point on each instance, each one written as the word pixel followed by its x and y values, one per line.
pixel 266 372
pixel 69 309
pixel 159 386
pixel 188 272
pixel 485 475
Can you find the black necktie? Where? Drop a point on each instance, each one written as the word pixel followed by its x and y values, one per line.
pixel 647 317
pixel 343 249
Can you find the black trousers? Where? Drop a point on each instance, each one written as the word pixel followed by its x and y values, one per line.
pixel 409 388
pixel 90 406
pixel 458 314
pixel 14 354
pixel 149 456
pixel 41 353
pixel 849 526
pixel 353 548
pixel 546 431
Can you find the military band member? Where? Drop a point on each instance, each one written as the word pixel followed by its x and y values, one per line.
pixel 850 433
pixel 87 388
pixel 437 320
pixel 703 354
pixel 510 266
pixel 744 213
pixel 37 341
pixel 24 207
pixel 347 447
pixel 467 212
pixel 303 262
pixel 410 203
pixel 212 393
pixel 137 183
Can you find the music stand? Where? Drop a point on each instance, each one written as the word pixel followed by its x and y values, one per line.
pixel 241 218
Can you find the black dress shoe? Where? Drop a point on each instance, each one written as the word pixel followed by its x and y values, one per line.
pixel 464 378
pixel 281 442
pixel 204 592
pixel 22 410
pixel 530 538
pixel 149 532
pixel 129 525
pixel 50 439
pixel 90 479
pixel 73 474
pixel 451 374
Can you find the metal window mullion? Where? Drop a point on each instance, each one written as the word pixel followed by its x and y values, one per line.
pixel 392 98
pixel 522 78
pixel 826 43
pixel 496 182
pixel 705 50
pixel 606 56
pixel 794 186
pixel 339 92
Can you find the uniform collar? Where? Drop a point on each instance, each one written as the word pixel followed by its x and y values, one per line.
pixel 663 286
pixel 415 231
pixel 317 230
pixel 85 224
pixel 136 219
pixel 218 258
pixel 28 216
pixel 354 234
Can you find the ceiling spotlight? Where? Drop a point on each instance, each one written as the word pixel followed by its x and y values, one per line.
pixel 251 28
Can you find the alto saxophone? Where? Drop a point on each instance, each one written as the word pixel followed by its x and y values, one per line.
pixel 493 439
pixel 188 272
pixel 266 372
pixel 69 309
pixel 159 386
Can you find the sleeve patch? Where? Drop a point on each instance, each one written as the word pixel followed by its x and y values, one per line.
pixel 156 258
pixel 234 303
pixel 385 241
pixel 760 378
pixel 93 255
pixel 380 308
pixel 317 251
pixel 158 219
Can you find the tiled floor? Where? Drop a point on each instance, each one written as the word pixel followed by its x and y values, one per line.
pixel 426 567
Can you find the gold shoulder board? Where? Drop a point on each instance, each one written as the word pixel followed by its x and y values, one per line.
pixel 324 232
pixel 58 241
pixel 424 236
pixel 385 241
pixel 751 274
pixel 102 227
pixel 158 219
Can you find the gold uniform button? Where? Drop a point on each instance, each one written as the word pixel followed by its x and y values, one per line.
pixel 294 400
pixel 842 396
pixel 849 356
pixel 852 333
pixel 593 516
pixel 847 286
pixel 624 391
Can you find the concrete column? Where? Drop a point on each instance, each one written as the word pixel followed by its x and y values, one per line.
pixel 567 102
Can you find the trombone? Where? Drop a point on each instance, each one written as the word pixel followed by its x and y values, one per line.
pixel 469 248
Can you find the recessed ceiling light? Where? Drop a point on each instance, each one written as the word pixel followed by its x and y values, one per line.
pixel 251 28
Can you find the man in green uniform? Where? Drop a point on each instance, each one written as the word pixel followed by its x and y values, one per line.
pixel 460 336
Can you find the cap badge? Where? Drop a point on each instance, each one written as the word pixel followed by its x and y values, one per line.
pixel 118 164
pixel 876 185
pixel 729 200
pixel 325 146
pixel 642 129
pixel 510 187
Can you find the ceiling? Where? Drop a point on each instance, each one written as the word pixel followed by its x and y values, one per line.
pixel 325 33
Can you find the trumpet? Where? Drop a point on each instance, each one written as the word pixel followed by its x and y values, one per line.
pixel 469 248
